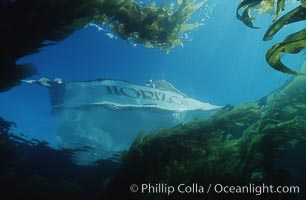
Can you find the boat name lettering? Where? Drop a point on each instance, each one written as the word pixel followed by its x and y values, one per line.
pixel 144 94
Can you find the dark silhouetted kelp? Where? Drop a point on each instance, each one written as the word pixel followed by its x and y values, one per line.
pixel 293 44
pixel 26 24
pixel 29 169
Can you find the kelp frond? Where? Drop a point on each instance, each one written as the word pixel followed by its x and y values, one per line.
pixel 293 44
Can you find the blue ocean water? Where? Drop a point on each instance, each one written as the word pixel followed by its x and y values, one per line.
pixel 223 63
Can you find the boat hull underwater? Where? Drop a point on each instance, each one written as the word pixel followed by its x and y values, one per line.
pixel 107 115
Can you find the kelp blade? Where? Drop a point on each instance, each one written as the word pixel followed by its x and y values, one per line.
pixel 293 44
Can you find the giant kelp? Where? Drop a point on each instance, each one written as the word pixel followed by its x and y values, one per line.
pixel 30 169
pixel 25 25
pixel 293 44
pixel 253 143
pixel 238 146
pixel 155 27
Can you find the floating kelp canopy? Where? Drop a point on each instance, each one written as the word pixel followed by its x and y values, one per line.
pixel 26 24
pixel 155 27
pixel 293 44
